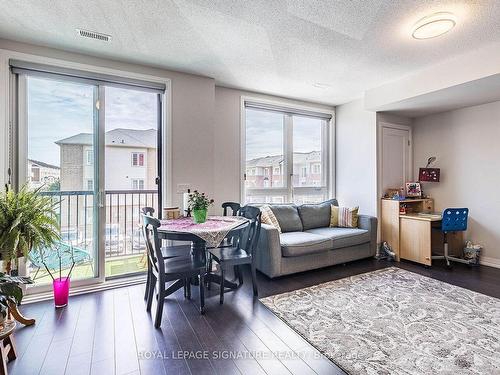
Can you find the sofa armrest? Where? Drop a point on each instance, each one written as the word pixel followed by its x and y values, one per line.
pixel 369 223
pixel 268 252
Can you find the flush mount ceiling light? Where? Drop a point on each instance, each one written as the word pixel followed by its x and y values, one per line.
pixel 434 25
pixel 320 85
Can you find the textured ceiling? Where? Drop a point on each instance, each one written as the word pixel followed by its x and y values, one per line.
pixel 280 47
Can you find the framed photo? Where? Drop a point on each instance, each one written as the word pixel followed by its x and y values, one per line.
pixel 413 190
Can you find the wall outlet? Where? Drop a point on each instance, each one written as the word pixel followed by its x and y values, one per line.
pixel 183 188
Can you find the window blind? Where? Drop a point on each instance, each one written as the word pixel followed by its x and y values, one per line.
pixel 287 110
pixel 51 71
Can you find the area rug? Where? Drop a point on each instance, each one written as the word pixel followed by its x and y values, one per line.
pixel 393 321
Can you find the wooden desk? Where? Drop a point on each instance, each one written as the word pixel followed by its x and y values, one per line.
pixel 416 237
pixel 390 223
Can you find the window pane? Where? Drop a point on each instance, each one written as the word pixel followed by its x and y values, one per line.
pixel 130 169
pixel 60 128
pixel 307 149
pixel 264 152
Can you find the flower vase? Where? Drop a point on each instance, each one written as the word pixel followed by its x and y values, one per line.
pixel 200 216
pixel 61 291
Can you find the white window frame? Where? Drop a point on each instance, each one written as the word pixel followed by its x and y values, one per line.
pixel 328 157
pixel 89 158
pixel 136 184
pixel 138 154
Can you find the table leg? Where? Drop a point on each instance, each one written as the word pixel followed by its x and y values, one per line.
pixel 198 252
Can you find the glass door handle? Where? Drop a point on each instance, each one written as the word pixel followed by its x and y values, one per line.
pixel 100 200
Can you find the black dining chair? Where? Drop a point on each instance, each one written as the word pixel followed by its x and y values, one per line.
pixel 177 269
pixel 243 250
pixel 167 251
pixel 233 206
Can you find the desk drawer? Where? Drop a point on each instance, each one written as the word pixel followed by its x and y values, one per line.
pixel 415 240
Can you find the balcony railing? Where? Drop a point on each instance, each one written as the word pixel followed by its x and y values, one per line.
pixel 122 234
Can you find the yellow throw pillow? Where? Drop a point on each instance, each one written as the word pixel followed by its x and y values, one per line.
pixel 269 218
pixel 344 217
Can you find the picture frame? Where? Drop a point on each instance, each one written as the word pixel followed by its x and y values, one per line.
pixel 413 190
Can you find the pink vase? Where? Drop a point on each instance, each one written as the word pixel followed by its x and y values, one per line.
pixel 61 291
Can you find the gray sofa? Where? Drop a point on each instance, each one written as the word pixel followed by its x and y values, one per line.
pixel 307 242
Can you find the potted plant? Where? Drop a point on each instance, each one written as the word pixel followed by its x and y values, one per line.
pixel 28 222
pixel 199 203
pixel 11 293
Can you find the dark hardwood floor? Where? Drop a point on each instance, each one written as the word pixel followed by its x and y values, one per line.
pixel 110 332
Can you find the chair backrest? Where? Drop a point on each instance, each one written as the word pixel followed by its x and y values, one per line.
pixel 454 219
pixel 150 211
pixel 233 206
pixel 153 244
pixel 253 232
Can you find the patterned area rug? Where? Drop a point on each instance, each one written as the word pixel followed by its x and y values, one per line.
pixel 393 321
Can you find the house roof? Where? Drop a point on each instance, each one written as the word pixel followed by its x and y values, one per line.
pixel 117 137
pixel 275 160
pixel 42 164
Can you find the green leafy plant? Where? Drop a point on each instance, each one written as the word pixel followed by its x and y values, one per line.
pixel 11 291
pixel 27 221
pixel 199 201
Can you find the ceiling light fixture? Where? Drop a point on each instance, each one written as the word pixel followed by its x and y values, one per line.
pixel 434 25
pixel 320 85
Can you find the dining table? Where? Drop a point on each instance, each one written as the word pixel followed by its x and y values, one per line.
pixel 210 234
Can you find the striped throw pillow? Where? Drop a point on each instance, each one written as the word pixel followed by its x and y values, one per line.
pixel 269 218
pixel 344 217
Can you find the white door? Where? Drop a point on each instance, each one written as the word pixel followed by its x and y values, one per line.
pixel 396 157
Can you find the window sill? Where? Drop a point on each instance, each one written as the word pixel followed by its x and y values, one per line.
pixel 109 284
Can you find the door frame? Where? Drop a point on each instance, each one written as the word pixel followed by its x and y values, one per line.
pixel 380 126
pixel 10 117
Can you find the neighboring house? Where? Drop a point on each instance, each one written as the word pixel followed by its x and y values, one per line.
pixel 41 173
pixel 130 160
pixel 267 172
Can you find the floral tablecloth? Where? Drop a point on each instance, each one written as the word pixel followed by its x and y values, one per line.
pixel 213 231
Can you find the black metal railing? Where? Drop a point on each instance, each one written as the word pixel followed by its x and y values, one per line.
pixel 122 235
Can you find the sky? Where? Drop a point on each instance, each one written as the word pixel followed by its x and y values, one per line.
pixel 61 109
pixel 264 134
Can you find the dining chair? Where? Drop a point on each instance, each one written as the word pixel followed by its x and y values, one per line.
pixel 167 251
pixel 230 205
pixel 243 250
pixel 229 209
pixel 177 269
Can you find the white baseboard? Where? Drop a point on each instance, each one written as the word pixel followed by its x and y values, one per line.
pixel 488 261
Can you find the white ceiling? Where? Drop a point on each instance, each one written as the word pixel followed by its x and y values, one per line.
pixel 279 47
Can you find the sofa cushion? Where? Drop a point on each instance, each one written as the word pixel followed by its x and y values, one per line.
pixel 343 237
pixel 294 244
pixel 288 217
pixel 316 215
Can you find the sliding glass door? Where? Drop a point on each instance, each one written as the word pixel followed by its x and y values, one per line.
pixel 130 171
pixel 94 149
pixel 58 155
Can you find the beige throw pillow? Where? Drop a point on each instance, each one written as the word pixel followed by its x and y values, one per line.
pixel 269 218
pixel 344 217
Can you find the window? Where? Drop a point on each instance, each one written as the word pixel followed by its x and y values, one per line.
pixel 90 184
pixel 89 157
pixel 137 184
pixel 35 174
pixel 290 148
pixel 138 159
pixel 316 168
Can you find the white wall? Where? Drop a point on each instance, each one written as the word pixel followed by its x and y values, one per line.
pixel 466 144
pixel 356 157
pixel 227 139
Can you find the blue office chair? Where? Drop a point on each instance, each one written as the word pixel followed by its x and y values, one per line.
pixel 454 220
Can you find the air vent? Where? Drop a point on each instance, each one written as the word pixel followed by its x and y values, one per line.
pixel 93 35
